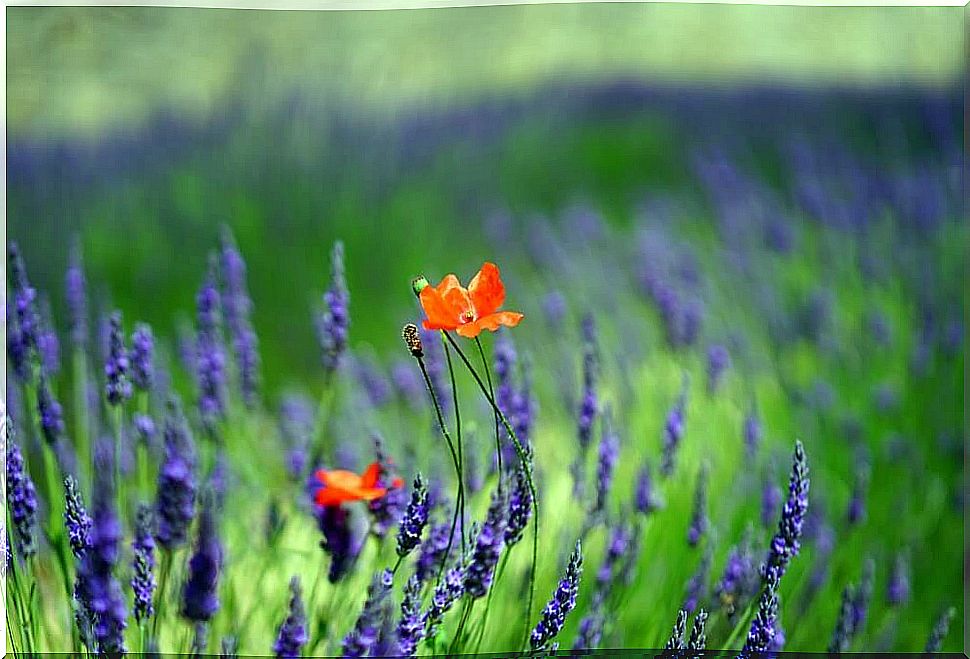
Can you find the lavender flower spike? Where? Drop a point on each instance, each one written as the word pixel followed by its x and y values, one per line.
pixel 98 589
pixel 210 357
pixel 762 631
pixel 844 625
pixel 74 287
pixel 562 602
pixel 520 506
pixel 28 320
pixel 363 637
pixel 432 552
pixel 676 640
pixel 410 628
pixel 76 518
pixel 645 499
pixel 942 627
pixel 292 636
pixel 116 367
pixel 609 453
pixel 340 541
pixel 785 544
pixel 21 497
pixel 51 414
pixel 673 434
pixel 237 307
pixel 200 599
pixel 333 322
pixel 142 357
pixel 446 593
pixel 488 547
pixel 415 518
pixel 175 502
pixel 718 361
pixel 698 639
pixel 698 521
pixel 898 589
pixel 143 571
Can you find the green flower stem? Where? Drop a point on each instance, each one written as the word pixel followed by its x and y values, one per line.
pixel 461 458
pixel 526 469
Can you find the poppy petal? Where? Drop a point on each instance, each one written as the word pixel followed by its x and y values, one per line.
pixel 486 290
pixel 369 478
pixel 439 313
pixel 371 494
pixel 332 496
pixel 491 323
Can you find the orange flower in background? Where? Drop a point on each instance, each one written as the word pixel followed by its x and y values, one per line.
pixel 450 306
pixel 340 486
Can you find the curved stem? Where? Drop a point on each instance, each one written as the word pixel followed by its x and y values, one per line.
pixel 491 391
pixel 526 468
pixel 460 499
pixel 461 458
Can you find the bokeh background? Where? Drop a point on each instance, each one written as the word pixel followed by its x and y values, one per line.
pixel 797 170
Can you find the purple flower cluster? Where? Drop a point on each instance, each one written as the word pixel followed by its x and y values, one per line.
pixel 698 520
pixel 673 434
pixel 142 357
pixel 740 579
pixel 296 428
pixel 446 593
pixel 898 588
pixel 175 498
pixel 51 414
pixel 22 335
pixel 210 358
pixel 563 601
pixel 697 585
pixel 143 565
pixel 333 322
pixel 340 540
pixel 410 627
pixel 676 640
pixel 387 510
pixel 718 361
pixel 433 551
pixel 117 364
pixel 364 636
pixel 609 453
pixel 785 544
pixel 480 568
pixel 292 635
pixel 520 505
pixel 75 293
pixel 200 595
pixel 934 643
pixel 752 433
pixel 77 522
pixel 761 634
pixel 415 518
pixel 644 498
pixel 237 307
pixel 21 497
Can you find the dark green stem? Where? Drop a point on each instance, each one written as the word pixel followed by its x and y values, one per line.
pixel 461 458
pixel 491 391
pixel 526 468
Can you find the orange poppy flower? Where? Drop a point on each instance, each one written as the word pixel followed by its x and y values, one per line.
pixel 450 306
pixel 341 486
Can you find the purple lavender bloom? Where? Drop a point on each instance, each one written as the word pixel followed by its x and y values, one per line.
pixel 21 497
pixel 18 351
pixel 407 383
pixel 210 359
pixel 48 345
pixel 740 579
pixel 98 589
pixel 770 503
pixel 77 522
pixel 609 453
pixel 51 414
pixel 415 518
pixel 340 541
pixel 938 634
pixel 28 320
pixel 488 547
pixel 591 627
pixel 75 292
pixel 698 637
pixel 410 628
pixel 752 433
pixel 143 567
pixel 292 635
pixel 673 434
pixel 386 511
pixel 898 589
pixel 761 634
pixel 693 318
pixel 616 550
pixel 519 508
pixel 296 428
pixel 698 521
pixel 446 593
pixel 237 308
pixel 333 322
pixel 142 357
pixel 554 308
pixel 145 428
pixel 718 361
pixel 589 404
pixel 175 499
pixel 856 512
pixel 563 601
pixel 116 367
pixel 364 635
pixel 863 596
pixel 373 381
pixel 645 499
pixel 778 642
pixel 844 630
pixel 200 595
pixel 433 551
pixel 785 544
pixel 697 585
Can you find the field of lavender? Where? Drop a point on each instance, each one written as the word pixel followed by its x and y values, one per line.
pixel 736 391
